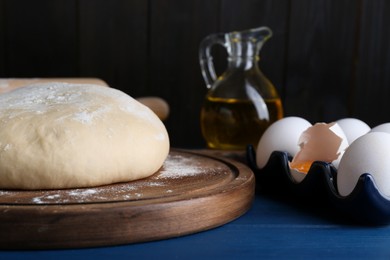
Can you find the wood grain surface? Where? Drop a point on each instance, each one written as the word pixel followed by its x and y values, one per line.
pixel 192 192
pixel 328 58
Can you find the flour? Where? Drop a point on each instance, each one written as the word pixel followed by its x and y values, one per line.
pixel 55 94
pixel 175 167
pixel 87 117
pixel 118 192
pixel 4 193
pixel 81 192
pixel 178 166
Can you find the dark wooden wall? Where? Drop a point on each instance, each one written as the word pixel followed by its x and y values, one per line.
pixel 328 58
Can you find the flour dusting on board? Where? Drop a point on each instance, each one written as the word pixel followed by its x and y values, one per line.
pixel 119 192
pixel 176 167
pixel 4 192
pixel 179 166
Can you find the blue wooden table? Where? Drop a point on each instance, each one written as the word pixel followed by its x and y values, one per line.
pixel 269 230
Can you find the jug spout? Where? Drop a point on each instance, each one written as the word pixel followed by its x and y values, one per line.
pixel 247 43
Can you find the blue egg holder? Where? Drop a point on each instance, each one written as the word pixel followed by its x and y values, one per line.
pixel 317 192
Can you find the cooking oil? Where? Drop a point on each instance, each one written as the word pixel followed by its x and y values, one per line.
pixel 232 124
pixel 241 102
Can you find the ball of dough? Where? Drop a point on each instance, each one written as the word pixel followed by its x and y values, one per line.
pixel 60 135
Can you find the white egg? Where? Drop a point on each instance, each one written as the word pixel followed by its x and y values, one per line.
pixel 368 154
pixel 320 142
pixel 282 135
pixel 382 128
pixel 353 128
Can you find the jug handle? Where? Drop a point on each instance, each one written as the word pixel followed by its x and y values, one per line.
pixel 206 59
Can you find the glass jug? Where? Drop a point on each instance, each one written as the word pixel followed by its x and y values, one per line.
pixel 241 103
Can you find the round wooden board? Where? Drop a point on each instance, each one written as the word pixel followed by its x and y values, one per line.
pixel 192 192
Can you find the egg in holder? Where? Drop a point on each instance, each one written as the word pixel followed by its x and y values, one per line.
pixel 317 191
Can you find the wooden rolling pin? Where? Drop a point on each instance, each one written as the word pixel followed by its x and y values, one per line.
pixel 158 105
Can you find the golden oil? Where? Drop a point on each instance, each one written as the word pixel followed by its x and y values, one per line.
pixel 232 124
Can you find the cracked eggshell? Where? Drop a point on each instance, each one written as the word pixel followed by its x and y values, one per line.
pixel 283 136
pixel 353 128
pixel 321 142
pixel 368 154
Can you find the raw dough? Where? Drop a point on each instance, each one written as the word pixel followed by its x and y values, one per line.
pixel 60 135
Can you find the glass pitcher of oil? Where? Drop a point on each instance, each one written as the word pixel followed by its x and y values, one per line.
pixel 241 103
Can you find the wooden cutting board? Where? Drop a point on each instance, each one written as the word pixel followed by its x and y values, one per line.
pixel 192 192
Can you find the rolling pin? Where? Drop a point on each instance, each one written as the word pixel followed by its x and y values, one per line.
pixel 158 105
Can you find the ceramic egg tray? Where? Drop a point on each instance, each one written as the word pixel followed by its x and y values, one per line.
pixel 318 191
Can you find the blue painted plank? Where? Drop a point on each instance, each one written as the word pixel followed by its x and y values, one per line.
pixel 269 230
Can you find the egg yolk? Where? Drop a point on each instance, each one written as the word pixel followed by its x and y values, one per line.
pixel 301 166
